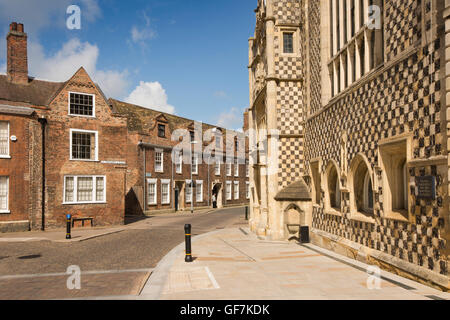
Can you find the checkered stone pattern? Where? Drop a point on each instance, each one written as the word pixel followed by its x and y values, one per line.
pixel 287 67
pixel 290 161
pixel 314 51
pixel 406 98
pixel 288 11
pixel 403 28
pixel 290 113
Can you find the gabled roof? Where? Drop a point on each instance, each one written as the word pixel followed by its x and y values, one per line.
pixel 36 92
pixel 297 191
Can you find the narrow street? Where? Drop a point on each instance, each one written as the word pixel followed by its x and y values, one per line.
pixel 116 264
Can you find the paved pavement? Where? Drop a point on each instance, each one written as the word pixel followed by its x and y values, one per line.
pixel 235 264
pixel 113 261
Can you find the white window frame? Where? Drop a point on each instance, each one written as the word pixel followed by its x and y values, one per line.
pixel 72 130
pixel 217 168
pixel 236 188
pixel 199 186
pixel 247 168
pixel 161 170
pixel 179 162
pixel 229 195
pixel 154 201
pixel 80 115
pixel 7 196
pixel 188 185
pixel 228 169
pixel 236 168
pixel 75 189
pixel 247 190
pixel 194 167
pixel 8 155
pixel 165 182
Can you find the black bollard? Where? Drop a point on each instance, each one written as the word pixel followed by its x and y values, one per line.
pixel 68 233
pixel 187 231
pixel 246 213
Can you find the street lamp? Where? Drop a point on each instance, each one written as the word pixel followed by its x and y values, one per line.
pixel 192 182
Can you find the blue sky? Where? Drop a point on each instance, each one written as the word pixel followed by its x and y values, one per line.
pixel 188 57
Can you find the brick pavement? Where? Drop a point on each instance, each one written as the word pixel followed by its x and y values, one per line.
pixel 55 287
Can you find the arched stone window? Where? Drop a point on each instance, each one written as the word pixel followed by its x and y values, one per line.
pixel 333 200
pixel 361 184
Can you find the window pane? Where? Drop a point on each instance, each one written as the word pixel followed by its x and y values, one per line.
pixel 83 145
pixel 4 139
pixel 158 161
pixel 288 42
pixel 84 189
pixel 81 104
pixel 100 196
pixel 3 193
pixel 165 192
pixel 69 189
pixel 152 193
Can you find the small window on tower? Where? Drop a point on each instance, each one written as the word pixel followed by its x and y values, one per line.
pixel 288 42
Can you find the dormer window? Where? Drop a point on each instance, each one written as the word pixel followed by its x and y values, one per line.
pixel 161 130
pixel 81 104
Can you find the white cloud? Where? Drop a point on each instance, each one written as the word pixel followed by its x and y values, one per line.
pixel 73 55
pixel 150 95
pixel 3 68
pixel 141 35
pixel 232 119
pixel 220 94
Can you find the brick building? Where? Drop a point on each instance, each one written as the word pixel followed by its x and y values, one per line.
pixel 155 142
pixel 357 91
pixel 66 149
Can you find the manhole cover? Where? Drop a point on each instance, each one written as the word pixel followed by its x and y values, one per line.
pixel 33 256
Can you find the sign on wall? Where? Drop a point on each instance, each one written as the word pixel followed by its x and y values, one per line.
pixel 426 187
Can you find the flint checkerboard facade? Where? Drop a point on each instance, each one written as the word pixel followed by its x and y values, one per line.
pixel 402 101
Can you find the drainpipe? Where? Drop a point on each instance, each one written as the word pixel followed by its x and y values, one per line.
pixel 145 180
pixel 172 183
pixel 43 122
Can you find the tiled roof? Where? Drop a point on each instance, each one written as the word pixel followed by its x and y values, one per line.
pixel 141 119
pixel 36 92
pixel 297 191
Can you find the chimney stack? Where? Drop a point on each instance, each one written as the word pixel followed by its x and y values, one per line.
pixel 17 59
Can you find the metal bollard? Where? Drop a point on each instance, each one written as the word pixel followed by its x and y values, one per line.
pixel 187 231
pixel 246 213
pixel 68 233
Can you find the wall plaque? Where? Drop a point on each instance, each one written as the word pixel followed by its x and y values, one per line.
pixel 426 187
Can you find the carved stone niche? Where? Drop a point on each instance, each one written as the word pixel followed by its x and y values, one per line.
pixel 294 218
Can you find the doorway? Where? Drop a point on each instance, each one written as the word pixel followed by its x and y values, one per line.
pixel 217 194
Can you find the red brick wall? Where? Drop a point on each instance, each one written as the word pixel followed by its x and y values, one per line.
pixel 112 136
pixel 17 169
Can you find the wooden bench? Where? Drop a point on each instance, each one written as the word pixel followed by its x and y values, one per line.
pixel 82 219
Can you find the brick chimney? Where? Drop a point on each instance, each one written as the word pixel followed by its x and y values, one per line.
pixel 17 60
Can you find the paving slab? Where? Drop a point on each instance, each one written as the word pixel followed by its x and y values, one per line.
pixel 235 264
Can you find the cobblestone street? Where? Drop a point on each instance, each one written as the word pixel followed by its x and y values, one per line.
pixel 112 265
